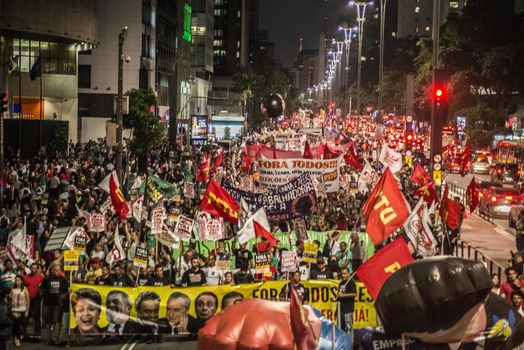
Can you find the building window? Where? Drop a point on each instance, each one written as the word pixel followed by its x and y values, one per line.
pixel 427 29
pixel 57 58
pixel 239 14
pixel 146 46
pixel 146 12
pixel 417 9
pixel 84 76
pixel 238 54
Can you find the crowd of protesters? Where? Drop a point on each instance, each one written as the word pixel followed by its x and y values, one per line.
pixel 50 191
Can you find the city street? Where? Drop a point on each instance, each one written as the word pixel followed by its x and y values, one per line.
pixel 167 344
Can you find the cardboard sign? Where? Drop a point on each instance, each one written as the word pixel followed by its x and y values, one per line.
pixel 157 219
pixel 71 260
pixel 310 252
pixel 81 240
pixel 108 205
pixel 247 184
pixel 184 227
pixel 288 261
pixel 214 229
pixel 223 261
pixel 300 229
pixel 189 190
pixel 167 237
pixel 262 263
pixel 97 222
pixel 140 259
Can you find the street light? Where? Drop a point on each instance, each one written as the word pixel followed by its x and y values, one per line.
pixel 383 4
pixel 361 18
pixel 119 118
pixel 348 34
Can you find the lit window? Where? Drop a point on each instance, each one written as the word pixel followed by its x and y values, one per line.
pixel 238 54
pixel 239 14
pixel 417 9
pixel 238 43
pixel 416 30
pixel 427 29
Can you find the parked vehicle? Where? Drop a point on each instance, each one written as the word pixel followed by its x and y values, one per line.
pixel 480 165
pixel 514 214
pixel 505 173
pixel 497 201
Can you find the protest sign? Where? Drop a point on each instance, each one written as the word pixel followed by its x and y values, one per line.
pixel 322 296
pixel 71 260
pixel 189 190
pixel 167 237
pixel 184 227
pixel 276 172
pixel 108 205
pixel 310 252
pixel 300 229
pixel 288 261
pixel 294 199
pixel 140 259
pixel 97 222
pixel 80 242
pixel 214 229
pixel 223 261
pixel 290 142
pixel 246 183
pixel 365 314
pixel 157 219
pixel 262 263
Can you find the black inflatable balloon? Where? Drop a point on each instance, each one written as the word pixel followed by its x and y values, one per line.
pixel 432 295
pixel 273 105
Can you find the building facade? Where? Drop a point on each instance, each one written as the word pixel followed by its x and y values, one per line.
pixel 56 31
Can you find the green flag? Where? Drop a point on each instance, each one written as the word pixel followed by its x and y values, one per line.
pixel 158 188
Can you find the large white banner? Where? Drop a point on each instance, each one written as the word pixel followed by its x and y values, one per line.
pixel 277 172
pixel 290 142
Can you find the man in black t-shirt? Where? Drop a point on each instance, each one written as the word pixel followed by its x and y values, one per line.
pixel 243 276
pixel 54 290
pixel 302 292
pixel 158 279
pixel 195 276
pixel 242 255
pixel 106 279
pixel 143 277
pixel 347 291
pixel 321 272
pixel 120 279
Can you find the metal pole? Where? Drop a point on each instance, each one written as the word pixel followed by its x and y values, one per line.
pixel 435 137
pixel 3 71
pixel 381 60
pixel 119 117
pixel 361 18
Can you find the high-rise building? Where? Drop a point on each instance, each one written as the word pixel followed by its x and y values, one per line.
pixel 306 65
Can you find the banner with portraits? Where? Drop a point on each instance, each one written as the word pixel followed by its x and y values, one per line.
pixel 277 172
pixel 164 310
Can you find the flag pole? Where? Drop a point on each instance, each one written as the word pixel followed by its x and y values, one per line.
pixel 20 96
pixel 41 99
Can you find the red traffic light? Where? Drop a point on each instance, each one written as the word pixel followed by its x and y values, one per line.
pixel 438 92
pixel 410 137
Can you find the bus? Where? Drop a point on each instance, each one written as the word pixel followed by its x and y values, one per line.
pixel 509 152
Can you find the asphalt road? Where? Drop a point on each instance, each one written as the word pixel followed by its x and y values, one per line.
pixel 140 344
pixel 494 239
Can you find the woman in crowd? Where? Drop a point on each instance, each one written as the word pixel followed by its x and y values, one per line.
pixel 19 309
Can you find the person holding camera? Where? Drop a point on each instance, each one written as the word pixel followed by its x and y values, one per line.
pixel 332 245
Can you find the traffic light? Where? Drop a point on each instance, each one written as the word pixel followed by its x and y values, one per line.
pixel 409 140
pixel 440 92
pixel 3 104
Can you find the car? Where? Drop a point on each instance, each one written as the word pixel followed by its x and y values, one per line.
pixel 483 186
pixel 497 201
pixel 452 165
pixel 514 214
pixel 505 173
pixel 480 165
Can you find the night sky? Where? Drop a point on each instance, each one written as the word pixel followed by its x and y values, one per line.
pixel 288 20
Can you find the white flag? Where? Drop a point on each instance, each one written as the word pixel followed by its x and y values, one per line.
pixel 418 231
pixel 365 178
pixel 248 231
pixel 390 158
pixel 20 245
pixel 117 252
pixel 244 213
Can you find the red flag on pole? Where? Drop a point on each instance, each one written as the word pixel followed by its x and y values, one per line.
pixel 453 214
pixel 203 170
pixel 420 176
pixel 386 209
pixel 375 271
pixel 307 151
pixel 117 198
pixel 444 202
pixel 464 160
pixel 218 202
pixel 260 231
pixel 472 195
pixel 303 334
pixel 351 158
pixel 428 192
pixel 330 153
pixel 246 162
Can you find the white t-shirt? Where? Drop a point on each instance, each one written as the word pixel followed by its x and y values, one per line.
pixel 213 276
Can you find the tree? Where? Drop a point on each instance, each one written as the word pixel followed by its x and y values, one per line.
pixel 147 130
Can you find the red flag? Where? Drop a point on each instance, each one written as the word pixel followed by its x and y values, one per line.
pixel 203 171
pixel 464 160
pixel 219 160
pixel 472 195
pixel 428 192
pixel 117 198
pixel 246 162
pixel 307 151
pixel 386 209
pixel 303 334
pixel 453 214
pixel 375 271
pixel 260 231
pixel 351 158
pixel 420 176
pixel 444 202
pixel 218 202
pixel 330 153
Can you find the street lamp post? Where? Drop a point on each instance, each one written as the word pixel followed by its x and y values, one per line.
pixel 383 4
pixel 361 18
pixel 348 33
pixel 119 117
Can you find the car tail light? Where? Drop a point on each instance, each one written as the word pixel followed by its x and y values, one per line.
pixel 500 171
pixel 509 198
pixel 493 198
pixel 481 194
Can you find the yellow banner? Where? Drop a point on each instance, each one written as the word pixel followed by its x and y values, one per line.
pixel 104 309
pixel 365 314
pixel 71 260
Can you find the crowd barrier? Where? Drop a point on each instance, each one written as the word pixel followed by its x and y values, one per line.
pixel 464 250
pixel 458 191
